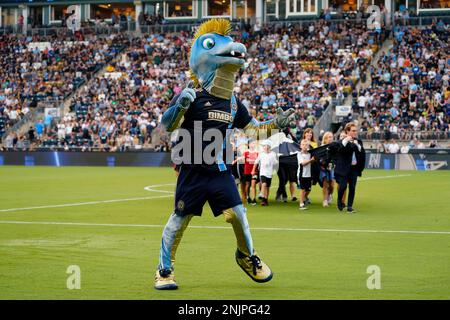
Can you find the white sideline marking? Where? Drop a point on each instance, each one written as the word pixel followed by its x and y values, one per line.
pixel 220 227
pixel 148 188
pixel 83 203
pixel 385 177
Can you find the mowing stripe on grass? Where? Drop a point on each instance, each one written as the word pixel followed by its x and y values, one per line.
pixel 151 188
pixel 148 188
pixel 220 227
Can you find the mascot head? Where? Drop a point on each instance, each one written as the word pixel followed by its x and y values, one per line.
pixel 215 58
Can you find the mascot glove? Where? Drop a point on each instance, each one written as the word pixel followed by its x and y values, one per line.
pixel 285 119
pixel 187 96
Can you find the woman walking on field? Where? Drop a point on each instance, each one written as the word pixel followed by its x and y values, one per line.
pixel 327 172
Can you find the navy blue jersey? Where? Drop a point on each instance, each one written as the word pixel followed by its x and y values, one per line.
pixel 214 113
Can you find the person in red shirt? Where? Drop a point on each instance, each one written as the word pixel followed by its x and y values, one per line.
pixel 407 62
pixel 21 21
pixel 250 180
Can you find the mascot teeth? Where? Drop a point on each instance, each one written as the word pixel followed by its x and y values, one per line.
pixel 235 54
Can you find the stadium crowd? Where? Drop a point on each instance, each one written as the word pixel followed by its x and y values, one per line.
pixel 42 68
pixel 120 108
pixel 304 66
pixel 409 95
pixel 298 65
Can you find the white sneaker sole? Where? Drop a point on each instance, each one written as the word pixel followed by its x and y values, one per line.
pixel 171 286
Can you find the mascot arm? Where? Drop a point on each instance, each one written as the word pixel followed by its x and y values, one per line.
pixel 172 117
pixel 282 120
pixel 180 104
pixel 259 129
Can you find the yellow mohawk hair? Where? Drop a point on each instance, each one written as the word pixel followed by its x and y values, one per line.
pixel 219 26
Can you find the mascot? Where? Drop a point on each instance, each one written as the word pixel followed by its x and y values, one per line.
pixel 208 99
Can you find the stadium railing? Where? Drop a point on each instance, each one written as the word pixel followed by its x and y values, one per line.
pixel 406 135
pixel 33 115
pixel 99 29
pixel 421 20
pixel 105 28
pixel 52 145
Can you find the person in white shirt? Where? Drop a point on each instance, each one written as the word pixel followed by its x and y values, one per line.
pixel 304 172
pixel 267 162
pixel 393 147
pixel 362 101
pixel 13 115
pixel 25 110
pixel 393 129
pixel 61 131
pixel 404 149
pixel 128 141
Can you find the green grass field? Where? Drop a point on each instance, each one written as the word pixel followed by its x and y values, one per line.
pixel 315 254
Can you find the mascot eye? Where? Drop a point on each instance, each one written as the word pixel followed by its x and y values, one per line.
pixel 208 43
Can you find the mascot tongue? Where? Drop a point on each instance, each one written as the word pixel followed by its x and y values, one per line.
pixel 223 83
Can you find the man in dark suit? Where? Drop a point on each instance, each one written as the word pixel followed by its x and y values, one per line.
pixel 350 161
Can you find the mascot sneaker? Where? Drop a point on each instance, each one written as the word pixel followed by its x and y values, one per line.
pixel 253 266
pixel 165 280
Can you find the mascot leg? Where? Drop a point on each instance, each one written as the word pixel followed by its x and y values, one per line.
pixel 246 257
pixel 172 234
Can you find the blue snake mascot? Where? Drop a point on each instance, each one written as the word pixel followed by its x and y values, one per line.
pixel 208 98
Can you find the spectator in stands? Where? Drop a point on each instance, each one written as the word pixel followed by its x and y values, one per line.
pixel 141 18
pixel 31 135
pixel 433 144
pixel 393 147
pixel 48 118
pixel 404 149
pixel 20 22
pixel 39 127
pixel 9 141
pixel 416 144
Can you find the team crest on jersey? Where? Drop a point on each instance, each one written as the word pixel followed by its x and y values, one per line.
pixel 180 205
pixel 220 116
